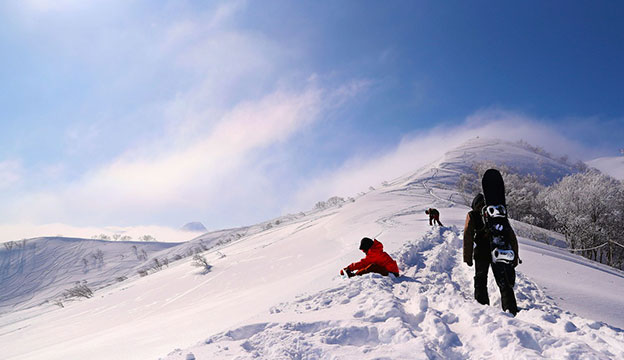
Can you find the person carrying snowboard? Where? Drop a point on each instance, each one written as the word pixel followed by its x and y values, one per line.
pixel 376 261
pixel 434 216
pixel 477 247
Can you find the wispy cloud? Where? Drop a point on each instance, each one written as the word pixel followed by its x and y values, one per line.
pixel 138 184
pixel 10 173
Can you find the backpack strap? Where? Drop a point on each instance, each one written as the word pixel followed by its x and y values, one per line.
pixel 480 230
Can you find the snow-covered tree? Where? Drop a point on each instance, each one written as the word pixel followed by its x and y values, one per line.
pixel 147 238
pixel 521 193
pixel 588 208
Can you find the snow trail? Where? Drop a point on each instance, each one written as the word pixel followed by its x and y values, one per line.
pixel 426 313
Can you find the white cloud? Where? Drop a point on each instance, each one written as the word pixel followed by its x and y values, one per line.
pixel 140 183
pixel 220 109
pixel 19 231
pixel 10 173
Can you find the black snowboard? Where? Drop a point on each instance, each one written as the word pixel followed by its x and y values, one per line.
pixel 493 188
pixel 495 217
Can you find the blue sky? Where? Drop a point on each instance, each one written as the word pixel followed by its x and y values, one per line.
pixel 163 112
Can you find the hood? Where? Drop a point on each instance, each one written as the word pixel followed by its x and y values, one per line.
pixel 478 202
pixel 377 246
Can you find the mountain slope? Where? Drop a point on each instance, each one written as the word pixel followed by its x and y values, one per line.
pixel 274 292
pixel 612 166
pixel 35 270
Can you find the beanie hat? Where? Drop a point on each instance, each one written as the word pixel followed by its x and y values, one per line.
pixel 478 202
pixel 366 244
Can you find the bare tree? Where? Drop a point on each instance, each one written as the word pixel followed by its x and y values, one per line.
pixel 98 257
pixel 80 289
pixel 156 264
pixel 200 261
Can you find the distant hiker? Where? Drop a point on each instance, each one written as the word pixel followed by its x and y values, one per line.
pixel 476 234
pixel 376 261
pixel 434 216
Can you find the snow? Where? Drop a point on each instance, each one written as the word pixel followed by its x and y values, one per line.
pixel 274 291
pixel 37 270
pixel 612 166
pixel 574 282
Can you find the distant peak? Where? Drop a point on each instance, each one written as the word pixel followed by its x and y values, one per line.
pixel 194 226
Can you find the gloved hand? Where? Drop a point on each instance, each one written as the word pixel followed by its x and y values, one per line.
pixel 347 272
pixel 469 263
pixel 516 261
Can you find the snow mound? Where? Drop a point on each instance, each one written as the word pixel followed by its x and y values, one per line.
pixel 427 313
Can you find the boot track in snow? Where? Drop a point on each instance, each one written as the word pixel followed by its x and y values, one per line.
pixel 427 313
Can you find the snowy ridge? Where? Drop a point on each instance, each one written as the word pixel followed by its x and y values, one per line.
pixel 39 270
pixel 36 270
pixel 520 157
pixel 427 313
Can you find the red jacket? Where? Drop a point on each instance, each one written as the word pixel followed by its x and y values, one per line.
pixel 376 255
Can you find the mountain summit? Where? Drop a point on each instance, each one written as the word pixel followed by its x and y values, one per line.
pixel 195 226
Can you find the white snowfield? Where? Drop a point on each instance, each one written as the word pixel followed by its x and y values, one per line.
pixel 274 292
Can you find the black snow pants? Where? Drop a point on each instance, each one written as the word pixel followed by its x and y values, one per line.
pixel 505 276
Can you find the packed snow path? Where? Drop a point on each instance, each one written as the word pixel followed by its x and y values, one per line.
pixel 427 313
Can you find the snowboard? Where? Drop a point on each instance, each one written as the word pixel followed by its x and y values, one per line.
pixel 495 217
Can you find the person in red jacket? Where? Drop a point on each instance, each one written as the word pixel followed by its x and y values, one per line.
pixel 376 260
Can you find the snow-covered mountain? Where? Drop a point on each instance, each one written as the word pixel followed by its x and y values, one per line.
pixel 274 291
pixel 612 166
pixel 520 157
pixel 194 226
